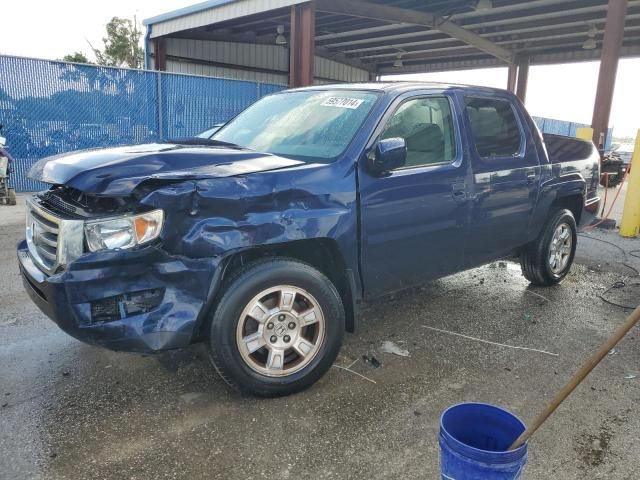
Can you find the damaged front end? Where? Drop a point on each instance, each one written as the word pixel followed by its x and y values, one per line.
pixel 141 299
pixel 94 268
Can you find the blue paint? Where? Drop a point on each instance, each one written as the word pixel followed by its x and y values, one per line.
pixel 384 232
pixel 66 297
pixel 120 170
pixel 474 438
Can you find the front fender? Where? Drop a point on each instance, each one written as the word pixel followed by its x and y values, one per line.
pixel 217 218
pixel 210 218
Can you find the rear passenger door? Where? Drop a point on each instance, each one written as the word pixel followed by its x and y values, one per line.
pixel 414 218
pixel 506 175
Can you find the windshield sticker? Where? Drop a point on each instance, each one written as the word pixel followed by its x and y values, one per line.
pixel 342 102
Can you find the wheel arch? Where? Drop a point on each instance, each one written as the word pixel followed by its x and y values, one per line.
pixel 572 201
pixel 321 253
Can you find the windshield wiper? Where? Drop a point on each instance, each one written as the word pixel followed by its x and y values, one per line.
pixel 205 142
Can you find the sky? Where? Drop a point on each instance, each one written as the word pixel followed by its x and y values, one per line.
pixel 564 92
pixel 53 28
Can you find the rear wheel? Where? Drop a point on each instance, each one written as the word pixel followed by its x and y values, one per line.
pixel 548 260
pixel 277 329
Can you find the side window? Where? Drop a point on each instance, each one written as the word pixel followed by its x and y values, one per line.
pixel 494 127
pixel 427 127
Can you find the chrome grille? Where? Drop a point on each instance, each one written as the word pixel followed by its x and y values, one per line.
pixel 44 238
pixel 58 205
pixel 53 240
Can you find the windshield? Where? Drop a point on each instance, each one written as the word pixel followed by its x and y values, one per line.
pixel 307 125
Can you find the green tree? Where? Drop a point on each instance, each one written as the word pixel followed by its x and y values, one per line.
pixel 122 45
pixel 76 57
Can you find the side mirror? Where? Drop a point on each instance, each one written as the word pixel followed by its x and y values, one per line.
pixel 389 154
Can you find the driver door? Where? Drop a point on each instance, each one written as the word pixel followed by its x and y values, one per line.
pixel 414 219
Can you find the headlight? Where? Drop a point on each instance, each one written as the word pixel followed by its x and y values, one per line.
pixel 123 232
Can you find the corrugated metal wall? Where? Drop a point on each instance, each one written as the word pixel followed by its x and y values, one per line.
pixel 266 57
pixel 261 63
pixel 221 72
pixel 326 69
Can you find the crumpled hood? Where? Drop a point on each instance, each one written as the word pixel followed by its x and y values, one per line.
pixel 119 170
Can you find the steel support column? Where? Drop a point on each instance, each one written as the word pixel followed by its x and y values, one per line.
pixel 160 53
pixel 613 35
pixel 302 44
pixel 512 75
pixel 630 224
pixel 523 78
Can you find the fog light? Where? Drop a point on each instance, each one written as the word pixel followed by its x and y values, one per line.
pixel 127 305
pixel 144 301
pixel 105 310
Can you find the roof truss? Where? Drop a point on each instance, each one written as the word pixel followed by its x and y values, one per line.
pixel 433 34
pixel 373 11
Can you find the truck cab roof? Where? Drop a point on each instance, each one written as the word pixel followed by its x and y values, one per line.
pixel 399 87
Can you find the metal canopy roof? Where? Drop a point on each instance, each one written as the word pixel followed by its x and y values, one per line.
pixel 427 35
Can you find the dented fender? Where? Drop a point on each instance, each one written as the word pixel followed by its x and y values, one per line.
pixel 213 217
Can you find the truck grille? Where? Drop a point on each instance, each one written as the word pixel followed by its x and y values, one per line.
pixel 56 204
pixel 44 235
pixel 53 240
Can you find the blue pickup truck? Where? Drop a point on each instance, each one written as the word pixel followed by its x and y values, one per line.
pixel 264 240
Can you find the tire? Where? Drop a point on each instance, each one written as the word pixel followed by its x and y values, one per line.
pixel 535 259
pixel 277 328
pixel 615 181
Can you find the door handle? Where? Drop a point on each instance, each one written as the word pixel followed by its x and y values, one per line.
pixel 459 192
pixel 531 176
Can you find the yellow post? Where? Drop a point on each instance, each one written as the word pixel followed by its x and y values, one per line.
pixel 630 225
pixel 585 133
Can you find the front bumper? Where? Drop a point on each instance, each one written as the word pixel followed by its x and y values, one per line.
pixel 67 297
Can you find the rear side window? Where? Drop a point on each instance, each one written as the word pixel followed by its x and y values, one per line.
pixel 494 127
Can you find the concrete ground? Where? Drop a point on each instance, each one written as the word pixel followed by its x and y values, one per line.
pixel 71 411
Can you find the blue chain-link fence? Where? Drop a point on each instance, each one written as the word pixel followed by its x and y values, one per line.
pixel 50 107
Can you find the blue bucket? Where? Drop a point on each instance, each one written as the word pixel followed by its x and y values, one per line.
pixel 474 438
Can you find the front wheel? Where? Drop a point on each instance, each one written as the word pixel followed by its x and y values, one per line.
pixel 548 260
pixel 277 328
